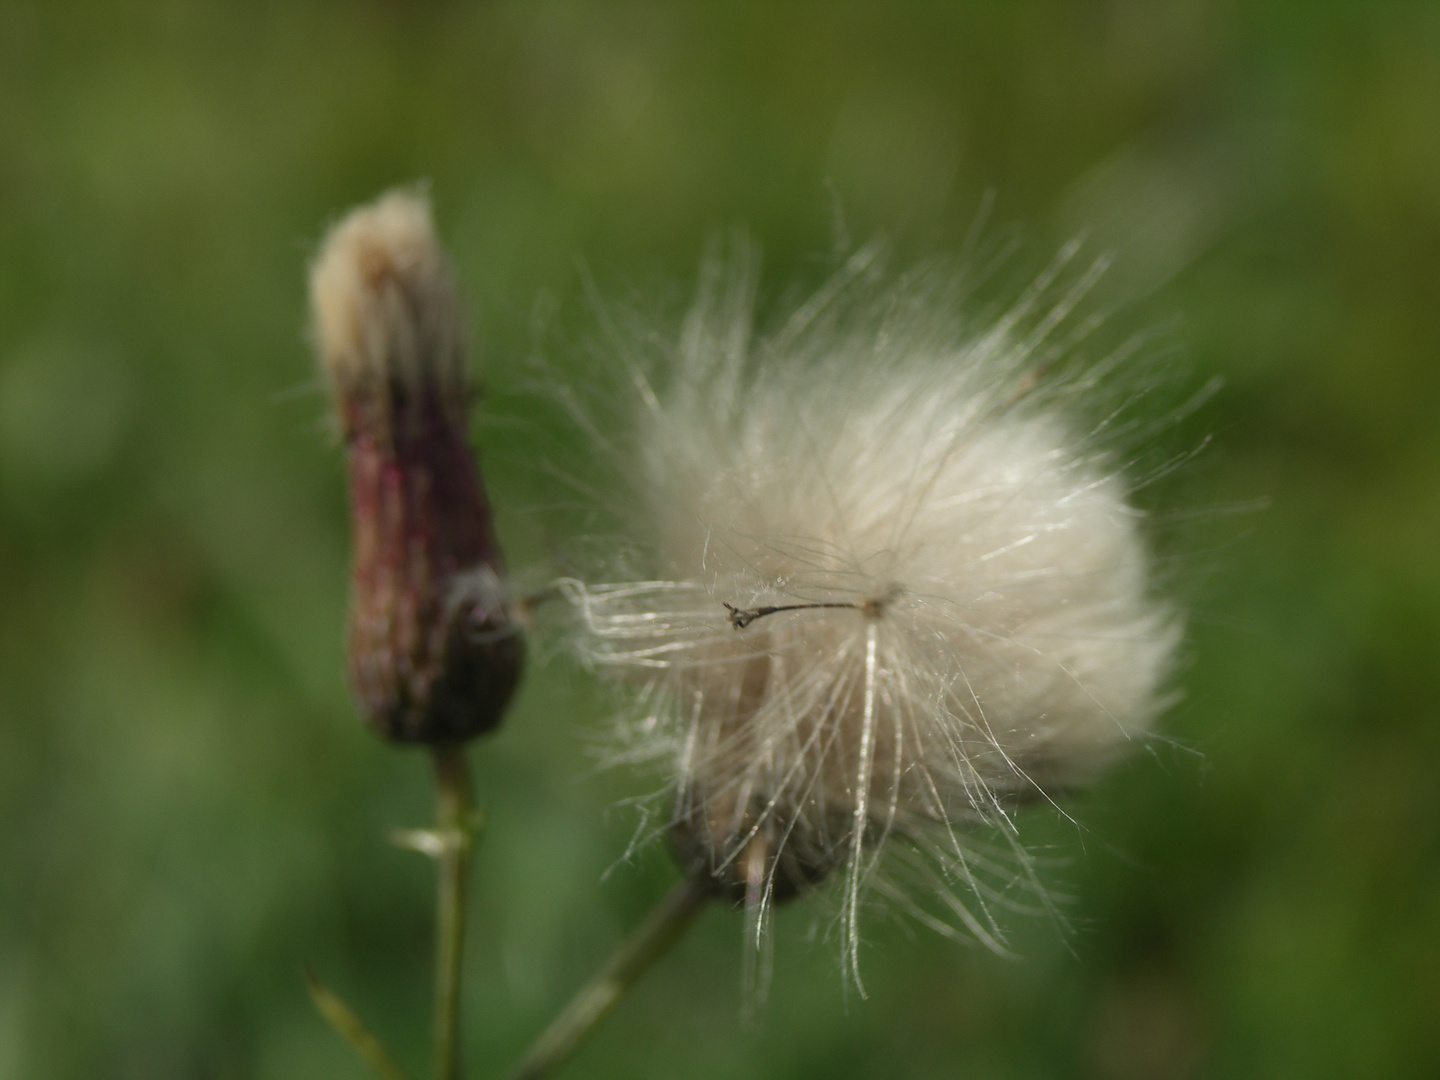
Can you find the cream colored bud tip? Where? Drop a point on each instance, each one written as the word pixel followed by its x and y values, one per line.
pixel 382 296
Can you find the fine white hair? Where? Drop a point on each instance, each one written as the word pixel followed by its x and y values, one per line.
pixel 383 298
pixel 895 586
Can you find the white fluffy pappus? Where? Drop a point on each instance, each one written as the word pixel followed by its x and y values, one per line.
pixel 896 589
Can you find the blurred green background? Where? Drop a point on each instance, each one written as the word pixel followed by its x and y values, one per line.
pixel 189 809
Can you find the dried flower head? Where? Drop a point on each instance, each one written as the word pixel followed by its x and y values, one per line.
pixel 895 591
pixel 433 655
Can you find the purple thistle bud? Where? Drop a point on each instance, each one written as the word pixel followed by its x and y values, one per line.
pixel 433 652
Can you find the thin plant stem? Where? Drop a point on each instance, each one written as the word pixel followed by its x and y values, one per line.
pixel 650 941
pixel 454 831
pixel 353 1029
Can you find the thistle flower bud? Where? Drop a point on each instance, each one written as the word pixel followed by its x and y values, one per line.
pixel 896 589
pixel 433 655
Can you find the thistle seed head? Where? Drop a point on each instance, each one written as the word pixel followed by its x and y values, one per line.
pixel 895 589
pixel 433 654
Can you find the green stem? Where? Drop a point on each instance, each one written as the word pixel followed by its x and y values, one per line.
pixel 660 930
pixel 353 1029
pixel 454 814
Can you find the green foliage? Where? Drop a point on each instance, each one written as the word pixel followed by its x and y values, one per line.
pixel 190 811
